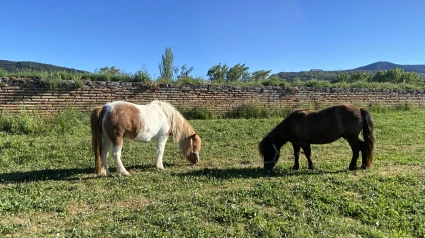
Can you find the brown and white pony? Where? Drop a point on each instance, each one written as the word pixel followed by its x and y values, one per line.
pixel 115 121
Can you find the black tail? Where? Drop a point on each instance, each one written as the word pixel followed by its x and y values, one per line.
pixel 368 137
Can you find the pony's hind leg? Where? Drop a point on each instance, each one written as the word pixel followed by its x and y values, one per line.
pixel 106 144
pixel 364 155
pixel 116 153
pixel 307 151
pixel 355 148
pixel 160 146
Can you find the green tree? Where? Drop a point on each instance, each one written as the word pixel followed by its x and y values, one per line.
pixel 394 75
pixel 142 75
pixel 217 73
pixel 411 78
pixel 239 72
pixel 379 77
pixel 342 78
pixel 260 75
pixel 112 71
pixel 185 72
pixel 359 76
pixel 166 67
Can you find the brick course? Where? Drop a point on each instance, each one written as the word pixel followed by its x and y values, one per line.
pixel 29 94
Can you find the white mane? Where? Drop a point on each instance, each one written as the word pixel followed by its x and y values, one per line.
pixel 180 128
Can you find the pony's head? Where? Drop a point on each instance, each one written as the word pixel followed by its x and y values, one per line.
pixel 195 145
pixel 269 152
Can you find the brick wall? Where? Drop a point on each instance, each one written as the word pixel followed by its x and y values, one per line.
pixel 29 94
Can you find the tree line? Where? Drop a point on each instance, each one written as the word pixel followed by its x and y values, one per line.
pixel 237 74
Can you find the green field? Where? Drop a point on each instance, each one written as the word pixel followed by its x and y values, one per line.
pixel 48 189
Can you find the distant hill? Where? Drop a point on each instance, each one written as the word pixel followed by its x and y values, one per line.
pixel 16 66
pixel 332 75
pixel 382 65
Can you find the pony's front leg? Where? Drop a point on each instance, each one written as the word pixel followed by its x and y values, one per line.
pixel 116 153
pixel 297 149
pixel 160 146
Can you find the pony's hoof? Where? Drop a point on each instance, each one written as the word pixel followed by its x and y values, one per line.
pixel 311 167
pixel 160 168
pixel 126 174
pixel 352 168
pixel 295 167
pixel 103 173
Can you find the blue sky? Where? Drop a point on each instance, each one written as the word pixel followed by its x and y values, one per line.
pixel 277 35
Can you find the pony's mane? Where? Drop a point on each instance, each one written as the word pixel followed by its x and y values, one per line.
pixel 277 130
pixel 180 128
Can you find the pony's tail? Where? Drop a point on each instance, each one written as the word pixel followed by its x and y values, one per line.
pixel 369 138
pixel 96 132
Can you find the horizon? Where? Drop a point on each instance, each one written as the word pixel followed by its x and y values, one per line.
pixel 272 73
pixel 289 36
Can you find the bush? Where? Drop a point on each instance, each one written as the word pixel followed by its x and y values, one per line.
pixel 67 120
pixel 314 83
pixel 197 113
pixel 22 123
pixel 255 111
pixel 32 123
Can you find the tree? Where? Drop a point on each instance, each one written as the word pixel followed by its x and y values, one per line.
pixel 411 78
pixel 260 75
pixel 112 71
pixel 166 67
pixel 184 72
pixel 359 76
pixel 379 77
pixel 142 75
pixel 342 78
pixel 218 72
pixel 394 75
pixel 239 72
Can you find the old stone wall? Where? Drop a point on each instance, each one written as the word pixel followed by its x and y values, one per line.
pixel 29 94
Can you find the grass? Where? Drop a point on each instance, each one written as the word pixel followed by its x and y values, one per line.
pixel 47 187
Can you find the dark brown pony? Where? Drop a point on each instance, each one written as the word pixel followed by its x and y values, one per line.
pixel 303 128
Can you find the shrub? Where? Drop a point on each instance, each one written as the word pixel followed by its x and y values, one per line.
pixel 252 110
pixel 197 113
pixel 67 120
pixel 22 123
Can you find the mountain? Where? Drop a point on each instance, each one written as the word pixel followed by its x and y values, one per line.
pixel 16 66
pixel 332 75
pixel 383 65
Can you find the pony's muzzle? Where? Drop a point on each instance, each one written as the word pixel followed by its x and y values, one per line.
pixel 269 166
pixel 193 157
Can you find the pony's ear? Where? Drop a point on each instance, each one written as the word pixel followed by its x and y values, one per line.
pixel 193 136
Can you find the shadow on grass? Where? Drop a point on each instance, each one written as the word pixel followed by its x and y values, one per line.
pixel 60 174
pixel 77 174
pixel 254 172
pixel 43 175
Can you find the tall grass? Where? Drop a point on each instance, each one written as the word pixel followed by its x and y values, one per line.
pixel 32 123
pixel 255 111
pixel 65 121
pixel 197 113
